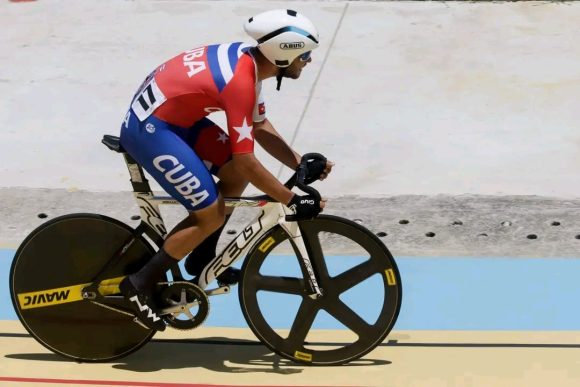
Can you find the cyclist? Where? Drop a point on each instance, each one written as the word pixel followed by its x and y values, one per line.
pixel 166 131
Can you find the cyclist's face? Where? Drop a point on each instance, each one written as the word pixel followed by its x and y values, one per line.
pixel 293 71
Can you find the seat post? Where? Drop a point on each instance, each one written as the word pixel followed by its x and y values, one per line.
pixel 138 180
pixel 151 220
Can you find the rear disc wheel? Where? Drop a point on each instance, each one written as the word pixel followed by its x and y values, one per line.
pixel 50 269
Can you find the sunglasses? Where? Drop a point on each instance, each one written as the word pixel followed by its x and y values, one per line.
pixel 304 57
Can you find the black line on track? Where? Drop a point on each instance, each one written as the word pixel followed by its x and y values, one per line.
pixel 390 343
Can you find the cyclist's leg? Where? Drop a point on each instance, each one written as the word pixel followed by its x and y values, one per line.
pixel 231 184
pixel 162 151
pixel 212 145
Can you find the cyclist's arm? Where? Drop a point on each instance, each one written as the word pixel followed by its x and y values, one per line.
pixel 252 170
pixel 274 144
pixel 239 100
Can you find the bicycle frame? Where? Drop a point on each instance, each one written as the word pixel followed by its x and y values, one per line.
pixel 104 322
pixel 272 214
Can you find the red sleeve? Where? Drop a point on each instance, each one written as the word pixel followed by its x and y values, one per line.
pixel 239 98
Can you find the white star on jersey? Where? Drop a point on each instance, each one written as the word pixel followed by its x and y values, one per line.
pixel 245 131
pixel 223 138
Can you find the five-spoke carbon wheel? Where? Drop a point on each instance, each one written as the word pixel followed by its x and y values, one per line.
pixel 361 292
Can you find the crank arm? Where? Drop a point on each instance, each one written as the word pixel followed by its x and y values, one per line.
pixel 218 291
pixel 178 308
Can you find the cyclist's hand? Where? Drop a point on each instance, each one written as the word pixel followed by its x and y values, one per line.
pixel 317 169
pixel 327 170
pixel 305 207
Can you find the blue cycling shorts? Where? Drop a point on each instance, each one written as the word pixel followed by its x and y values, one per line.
pixel 171 155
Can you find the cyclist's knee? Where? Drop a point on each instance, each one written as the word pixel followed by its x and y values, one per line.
pixel 231 183
pixel 210 218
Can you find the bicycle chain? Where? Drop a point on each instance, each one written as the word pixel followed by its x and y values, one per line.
pixel 133 317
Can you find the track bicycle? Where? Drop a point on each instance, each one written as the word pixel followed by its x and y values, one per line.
pixel 65 275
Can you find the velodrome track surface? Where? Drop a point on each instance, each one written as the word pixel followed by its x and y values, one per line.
pixel 231 357
pixel 464 321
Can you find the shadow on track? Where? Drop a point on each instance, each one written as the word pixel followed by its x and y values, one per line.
pixel 218 354
pixel 223 355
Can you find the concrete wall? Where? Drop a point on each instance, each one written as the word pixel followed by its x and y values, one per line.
pixel 406 97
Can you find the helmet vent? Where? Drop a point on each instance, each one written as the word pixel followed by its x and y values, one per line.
pixel 282 63
pixel 251 19
pixel 291 13
pixel 286 29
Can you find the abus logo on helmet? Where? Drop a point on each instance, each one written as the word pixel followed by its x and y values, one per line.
pixel 291 46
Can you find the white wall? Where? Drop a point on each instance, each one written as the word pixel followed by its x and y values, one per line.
pixel 413 98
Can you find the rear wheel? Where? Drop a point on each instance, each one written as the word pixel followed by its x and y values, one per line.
pixel 50 269
pixel 360 282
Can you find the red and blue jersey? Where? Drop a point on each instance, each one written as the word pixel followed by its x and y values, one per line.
pixel 203 80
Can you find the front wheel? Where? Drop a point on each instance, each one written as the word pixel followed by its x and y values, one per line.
pixel 360 282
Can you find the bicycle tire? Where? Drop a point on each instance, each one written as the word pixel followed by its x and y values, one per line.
pixel 294 347
pixel 67 251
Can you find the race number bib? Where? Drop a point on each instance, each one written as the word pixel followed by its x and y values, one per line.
pixel 149 99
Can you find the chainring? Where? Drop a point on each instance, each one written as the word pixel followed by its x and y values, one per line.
pixel 184 305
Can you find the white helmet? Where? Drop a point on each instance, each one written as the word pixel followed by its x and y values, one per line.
pixel 283 35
